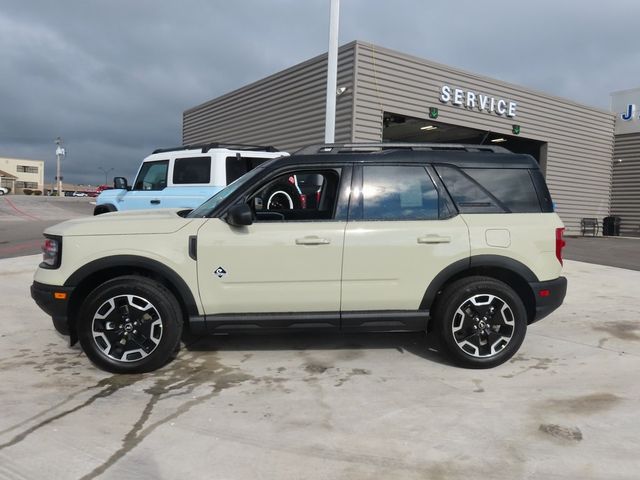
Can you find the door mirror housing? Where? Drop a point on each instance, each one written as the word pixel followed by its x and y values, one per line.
pixel 240 215
pixel 120 183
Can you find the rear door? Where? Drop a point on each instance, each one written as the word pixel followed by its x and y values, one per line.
pixel 400 235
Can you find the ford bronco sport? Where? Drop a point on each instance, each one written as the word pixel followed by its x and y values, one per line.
pixel 458 240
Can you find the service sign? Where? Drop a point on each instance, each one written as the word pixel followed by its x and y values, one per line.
pixel 482 102
pixel 626 106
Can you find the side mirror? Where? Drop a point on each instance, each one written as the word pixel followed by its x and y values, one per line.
pixel 257 204
pixel 120 183
pixel 240 215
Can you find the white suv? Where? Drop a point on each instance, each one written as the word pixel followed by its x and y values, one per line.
pixel 460 240
pixel 183 177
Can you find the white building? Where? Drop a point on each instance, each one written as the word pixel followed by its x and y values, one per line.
pixel 18 174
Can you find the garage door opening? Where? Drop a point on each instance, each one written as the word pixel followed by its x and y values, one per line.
pixel 400 128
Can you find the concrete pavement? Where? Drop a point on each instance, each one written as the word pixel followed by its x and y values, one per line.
pixel 329 406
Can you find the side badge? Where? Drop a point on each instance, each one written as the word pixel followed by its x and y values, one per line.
pixel 220 272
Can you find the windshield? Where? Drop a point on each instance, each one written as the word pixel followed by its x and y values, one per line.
pixel 208 206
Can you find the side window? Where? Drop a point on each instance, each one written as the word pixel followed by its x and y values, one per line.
pixel 398 193
pixel 152 176
pixel 236 167
pixel 301 195
pixel 466 193
pixel 192 170
pixel 513 187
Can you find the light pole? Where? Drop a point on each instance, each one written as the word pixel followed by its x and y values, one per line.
pixel 60 153
pixel 106 172
pixel 332 73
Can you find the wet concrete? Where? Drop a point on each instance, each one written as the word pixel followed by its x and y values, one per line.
pixel 330 406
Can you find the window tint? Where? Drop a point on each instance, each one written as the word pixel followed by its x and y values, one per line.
pixel 398 193
pixel 152 176
pixel 513 187
pixel 236 167
pixel 301 195
pixel 466 193
pixel 543 192
pixel 192 170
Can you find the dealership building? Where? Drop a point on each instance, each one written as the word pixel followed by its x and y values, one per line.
pixel 384 95
pixel 625 188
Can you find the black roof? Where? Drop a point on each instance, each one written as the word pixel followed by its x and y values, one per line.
pixel 465 156
pixel 205 147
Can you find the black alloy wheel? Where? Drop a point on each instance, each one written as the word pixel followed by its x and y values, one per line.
pixel 482 321
pixel 130 325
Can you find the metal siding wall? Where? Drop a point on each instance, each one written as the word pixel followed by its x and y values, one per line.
pixel 580 138
pixel 625 192
pixel 286 110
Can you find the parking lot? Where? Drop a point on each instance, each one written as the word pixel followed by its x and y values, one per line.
pixel 329 406
pixel 23 218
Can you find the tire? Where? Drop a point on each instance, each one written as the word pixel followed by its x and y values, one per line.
pixel 135 310
pixel 282 197
pixel 1 192
pixel 481 321
pixel 100 209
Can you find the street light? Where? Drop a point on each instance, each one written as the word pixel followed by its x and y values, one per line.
pixel 332 73
pixel 60 153
pixel 106 172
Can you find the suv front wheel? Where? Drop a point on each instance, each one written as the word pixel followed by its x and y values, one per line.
pixel 130 324
pixel 482 321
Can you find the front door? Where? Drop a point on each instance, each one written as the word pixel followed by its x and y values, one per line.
pixel 148 187
pixel 289 260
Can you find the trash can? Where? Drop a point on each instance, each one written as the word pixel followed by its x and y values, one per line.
pixel 611 226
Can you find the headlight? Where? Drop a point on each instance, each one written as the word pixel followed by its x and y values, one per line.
pixel 51 252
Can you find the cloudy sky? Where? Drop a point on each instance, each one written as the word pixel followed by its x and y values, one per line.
pixel 113 77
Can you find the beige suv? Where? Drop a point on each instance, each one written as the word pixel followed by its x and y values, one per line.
pixel 458 240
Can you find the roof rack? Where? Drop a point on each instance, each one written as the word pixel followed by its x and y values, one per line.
pixel 334 148
pixel 205 147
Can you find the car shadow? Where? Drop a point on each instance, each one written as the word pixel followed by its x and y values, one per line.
pixel 416 343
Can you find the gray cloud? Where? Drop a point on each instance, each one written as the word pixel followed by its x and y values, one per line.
pixel 113 77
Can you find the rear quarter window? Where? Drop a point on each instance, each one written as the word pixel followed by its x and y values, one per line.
pixel 491 190
pixel 238 166
pixel 512 186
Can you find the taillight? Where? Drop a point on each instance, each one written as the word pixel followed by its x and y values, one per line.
pixel 560 243
pixel 51 252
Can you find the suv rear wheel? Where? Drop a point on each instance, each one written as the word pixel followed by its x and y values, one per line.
pixel 130 324
pixel 482 321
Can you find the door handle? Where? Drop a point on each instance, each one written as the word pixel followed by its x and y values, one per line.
pixel 155 202
pixel 434 239
pixel 312 240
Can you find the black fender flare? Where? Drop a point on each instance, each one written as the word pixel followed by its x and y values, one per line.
pixel 474 262
pixel 131 262
pixel 107 207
